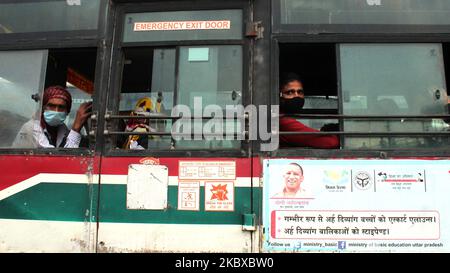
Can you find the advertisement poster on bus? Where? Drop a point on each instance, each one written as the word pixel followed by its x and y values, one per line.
pixel 356 205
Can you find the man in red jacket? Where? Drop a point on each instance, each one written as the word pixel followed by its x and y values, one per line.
pixel 292 99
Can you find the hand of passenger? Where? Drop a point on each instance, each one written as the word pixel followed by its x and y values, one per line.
pixel 83 113
pixel 330 127
pixel 134 145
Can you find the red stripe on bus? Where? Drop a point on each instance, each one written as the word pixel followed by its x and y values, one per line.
pixel 119 165
pixel 17 168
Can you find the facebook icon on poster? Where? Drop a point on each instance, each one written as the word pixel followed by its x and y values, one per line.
pixel 341 244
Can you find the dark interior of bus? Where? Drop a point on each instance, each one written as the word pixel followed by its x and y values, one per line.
pixel 446 49
pixel 314 63
pixel 81 60
pixel 138 65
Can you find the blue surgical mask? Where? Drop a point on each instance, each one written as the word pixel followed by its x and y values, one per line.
pixel 54 118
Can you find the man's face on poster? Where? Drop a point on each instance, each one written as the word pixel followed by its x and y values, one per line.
pixel 293 177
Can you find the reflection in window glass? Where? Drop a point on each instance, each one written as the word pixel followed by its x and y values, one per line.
pixel 209 74
pixel 373 83
pixel 375 12
pixel 43 16
pixel 21 76
pixel 213 78
pixel 213 75
pixel 318 103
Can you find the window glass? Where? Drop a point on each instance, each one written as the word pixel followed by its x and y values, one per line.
pixel 22 74
pixel 183 25
pixel 393 79
pixel 373 12
pixel 209 78
pixel 214 75
pixel 43 16
pixel 318 103
pixel 213 78
pixel 148 79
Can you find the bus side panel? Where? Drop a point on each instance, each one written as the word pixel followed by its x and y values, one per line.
pixel 172 229
pixel 47 203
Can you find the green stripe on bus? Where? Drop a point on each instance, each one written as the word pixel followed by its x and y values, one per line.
pixel 70 202
pixel 48 201
pixel 113 209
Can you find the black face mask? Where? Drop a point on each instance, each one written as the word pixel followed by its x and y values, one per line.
pixel 291 106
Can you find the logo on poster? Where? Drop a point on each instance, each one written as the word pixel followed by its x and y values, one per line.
pixel 362 180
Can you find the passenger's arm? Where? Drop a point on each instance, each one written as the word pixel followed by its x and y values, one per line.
pixel 314 141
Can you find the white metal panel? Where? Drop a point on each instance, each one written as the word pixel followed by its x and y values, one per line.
pixel 147 187
pixel 132 237
pixel 36 236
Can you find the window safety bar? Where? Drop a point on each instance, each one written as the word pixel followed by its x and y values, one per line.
pixel 369 134
pixel 165 117
pixel 368 118
pixel 237 136
pixel 365 117
pixel 171 134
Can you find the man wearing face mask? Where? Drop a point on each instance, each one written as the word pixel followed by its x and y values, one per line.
pixel 292 99
pixel 50 131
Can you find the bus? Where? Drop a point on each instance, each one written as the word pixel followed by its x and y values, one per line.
pixel 206 171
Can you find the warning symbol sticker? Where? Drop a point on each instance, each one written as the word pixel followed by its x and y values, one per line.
pixel 219 196
pixel 188 195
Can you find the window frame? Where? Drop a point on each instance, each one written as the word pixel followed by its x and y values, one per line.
pixel 70 40
pixel 278 27
pixel 114 93
pixel 278 39
pixel 43 38
pixel 95 97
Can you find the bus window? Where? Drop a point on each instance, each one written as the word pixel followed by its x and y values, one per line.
pixel 206 76
pixel 393 79
pixel 71 69
pixel 66 15
pixel 315 64
pixel 75 70
pixel 221 70
pixel 149 79
pixel 21 76
pixel 433 12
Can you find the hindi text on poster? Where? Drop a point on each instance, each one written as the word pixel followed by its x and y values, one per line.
pixel 357 225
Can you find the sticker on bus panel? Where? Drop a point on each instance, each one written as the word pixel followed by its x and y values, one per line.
pixel 188 195
pixel 392 205
pixel 207 170
pixel 219 196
